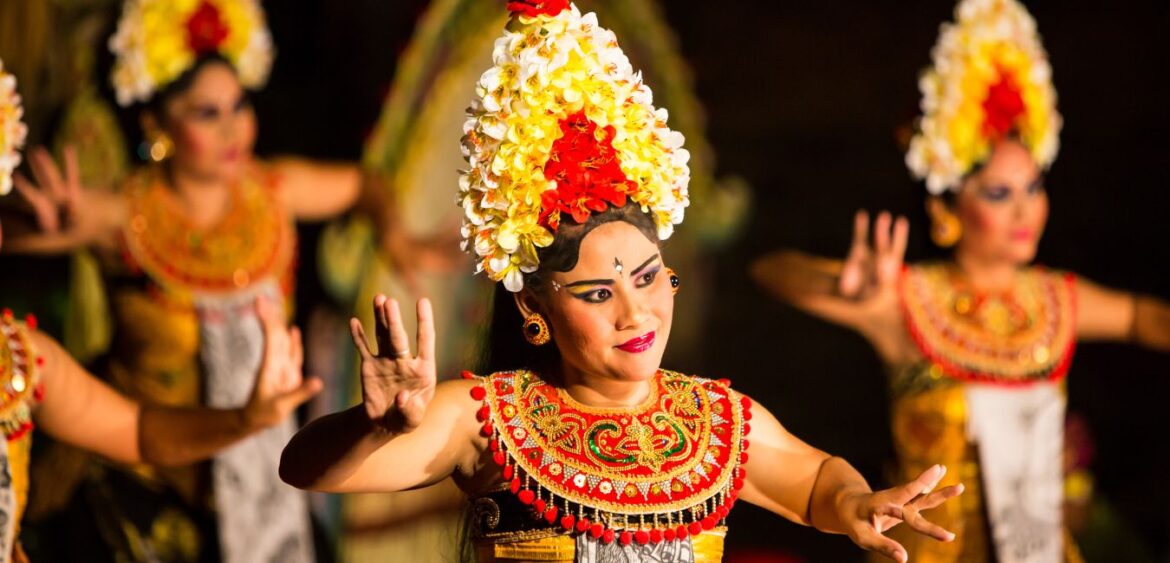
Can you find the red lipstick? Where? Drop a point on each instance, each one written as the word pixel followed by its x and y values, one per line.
pixel 1022 235
pixel 639 344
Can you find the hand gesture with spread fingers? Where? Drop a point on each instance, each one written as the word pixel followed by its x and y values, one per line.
pixel 57 197
pixel 397 386
pixel 874 513
pixel 872 271
pixel 280 388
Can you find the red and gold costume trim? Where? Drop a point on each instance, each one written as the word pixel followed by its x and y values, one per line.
pixel 1014 338
pixel 252 242
pixel 665 469
pixel 20 381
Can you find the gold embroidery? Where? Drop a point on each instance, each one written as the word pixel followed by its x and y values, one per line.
pixel 1027 333
pixel 252 242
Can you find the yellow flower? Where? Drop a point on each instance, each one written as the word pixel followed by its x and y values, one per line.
pixel 12 129
pixel 152 46
pixel 992 42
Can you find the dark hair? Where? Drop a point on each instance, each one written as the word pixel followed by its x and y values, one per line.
pixel 130 117
pixel 504 347
pixel 158 103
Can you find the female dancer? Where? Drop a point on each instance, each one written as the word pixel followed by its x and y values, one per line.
pixel 579 447
pixel 40 382
pixel 977 345
pixel 188 243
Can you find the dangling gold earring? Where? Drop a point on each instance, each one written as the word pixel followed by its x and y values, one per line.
pixel 161 147
pixel 675 281
pixel 536 330
pixel 945 229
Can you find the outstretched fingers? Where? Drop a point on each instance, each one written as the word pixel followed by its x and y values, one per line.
pixel 399 343
pixel 924 484
pixel 359 340
pixel 382 327
pixel 894 252
pixel 938 497
pixel 851 273
pixel 47 174
pixel 72 175
pixel 869 538
pixel 426 329
pixel 48 219
pixel 276 337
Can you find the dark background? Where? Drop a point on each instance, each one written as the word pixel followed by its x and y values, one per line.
pixel 803 101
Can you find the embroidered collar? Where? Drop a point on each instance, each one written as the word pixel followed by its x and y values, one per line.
pixel 20 383
pixel 1014 338
pixel 253 241
pixel 658 471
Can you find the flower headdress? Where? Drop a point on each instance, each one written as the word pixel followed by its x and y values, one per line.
pixel 158 40
pixel 12 129
pixel 990 79
pixel 561 125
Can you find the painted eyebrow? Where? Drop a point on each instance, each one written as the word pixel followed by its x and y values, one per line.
pixel 644 264
pixel 590 282
pixel 610 281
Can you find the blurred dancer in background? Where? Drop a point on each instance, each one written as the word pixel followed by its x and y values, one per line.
pixel 977 345
pixel 186 244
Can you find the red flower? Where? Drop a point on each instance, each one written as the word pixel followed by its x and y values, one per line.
pixel 533 8
pixel 1003 105
pixel 588 174
pixel 206 30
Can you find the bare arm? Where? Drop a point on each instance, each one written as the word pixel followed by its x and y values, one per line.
pixel 815 489
pixel 407 432
pixel 315 191
pixel 83 411
pixel 346 452
pixel 1108 314
pixel 859 293
pixel 809 283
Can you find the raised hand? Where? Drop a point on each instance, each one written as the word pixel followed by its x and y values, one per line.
pixel 869 515
pixel 280 387
pixel 67 215
pixel 871 271
pixel 397 386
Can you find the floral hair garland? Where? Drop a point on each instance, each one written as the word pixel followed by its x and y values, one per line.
pixel 12 129
pixel 990 79
pixel 158 40
pixel 561 125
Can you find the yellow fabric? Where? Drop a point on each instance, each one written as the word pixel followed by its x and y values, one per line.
pixel 18 461
pixel 929 427
pixel 708 549
pixel 929 417
pixel 155 353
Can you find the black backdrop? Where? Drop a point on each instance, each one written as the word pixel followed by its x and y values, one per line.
pixel 803 100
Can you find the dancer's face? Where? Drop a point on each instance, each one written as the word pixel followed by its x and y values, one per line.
pixel 212 125
pixel 611 315
pixel 1003 208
